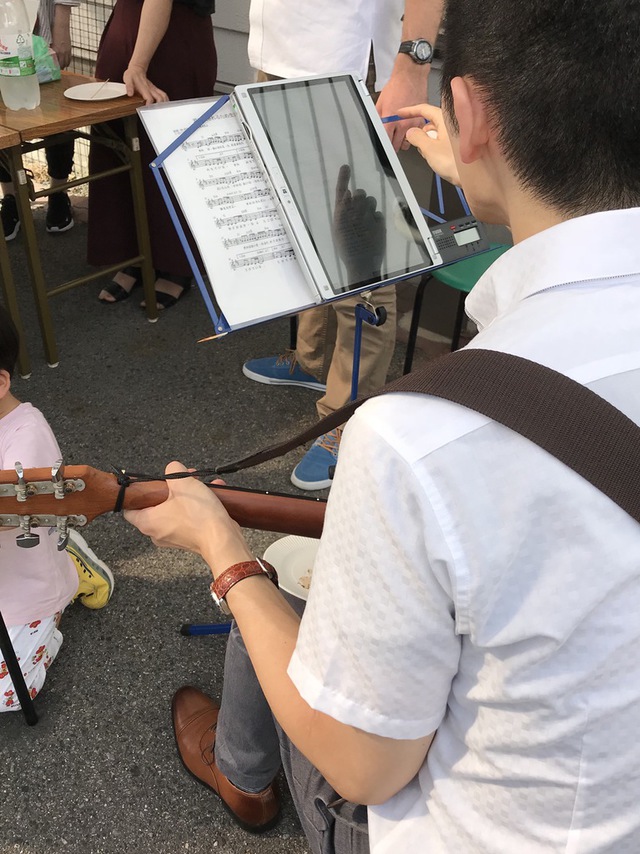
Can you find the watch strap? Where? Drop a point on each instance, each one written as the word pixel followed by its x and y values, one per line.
pixel 238 572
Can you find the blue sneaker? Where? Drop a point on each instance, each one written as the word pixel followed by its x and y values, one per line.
pixel 280 370
pixel 312 472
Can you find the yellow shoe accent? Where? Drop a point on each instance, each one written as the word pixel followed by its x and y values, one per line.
pixel 95 579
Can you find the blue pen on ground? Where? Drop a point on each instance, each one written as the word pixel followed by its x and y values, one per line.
pixel 192 629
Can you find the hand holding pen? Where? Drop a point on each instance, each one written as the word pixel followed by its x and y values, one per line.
pixel 432 140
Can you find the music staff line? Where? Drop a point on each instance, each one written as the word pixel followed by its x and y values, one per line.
pixel 237 263
pixel 216 139
pixel 225 222
pixel 253 237
pixel 229 179
pixel 240 197
pixel 219 160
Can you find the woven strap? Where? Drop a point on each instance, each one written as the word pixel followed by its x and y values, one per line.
pixel 558 414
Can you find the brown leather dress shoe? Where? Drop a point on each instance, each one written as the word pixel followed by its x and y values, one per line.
pixel 195 716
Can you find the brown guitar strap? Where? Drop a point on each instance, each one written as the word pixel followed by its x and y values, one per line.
pixel 563 417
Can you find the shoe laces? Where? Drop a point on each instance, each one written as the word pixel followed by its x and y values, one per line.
pixel 330 441
pixel 287 358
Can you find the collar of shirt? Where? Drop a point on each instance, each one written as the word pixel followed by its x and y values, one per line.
pixel 589 248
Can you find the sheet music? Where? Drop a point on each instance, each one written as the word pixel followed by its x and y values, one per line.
pixel 231 213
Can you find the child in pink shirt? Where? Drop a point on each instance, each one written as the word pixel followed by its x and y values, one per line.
pixel 36 584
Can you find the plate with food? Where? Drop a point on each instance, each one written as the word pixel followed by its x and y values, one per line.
pixel 293 558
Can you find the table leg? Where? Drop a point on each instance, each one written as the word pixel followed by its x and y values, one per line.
pixel 140 213
pixel 15 672
pixel 38 284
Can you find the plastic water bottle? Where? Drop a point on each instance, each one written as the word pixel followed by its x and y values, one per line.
pixel 18 80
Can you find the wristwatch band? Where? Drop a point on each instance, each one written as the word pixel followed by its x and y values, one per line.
pixel 238 572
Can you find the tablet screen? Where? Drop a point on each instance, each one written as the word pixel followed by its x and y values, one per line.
pixel 341 180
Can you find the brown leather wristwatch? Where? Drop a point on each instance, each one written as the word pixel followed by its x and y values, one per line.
pixel 238 572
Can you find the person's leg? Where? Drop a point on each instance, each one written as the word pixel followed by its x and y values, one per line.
pixel 36 645
pixel 9 207
pixel 331 824
pixel 59 163
pixel 317 329
pixel 314 471
pixel 247 743
pixel 376 350
pixel 247 748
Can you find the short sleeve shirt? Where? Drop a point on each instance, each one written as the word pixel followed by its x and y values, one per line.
pixel 296 38
pixel 37 582
pixel 468 583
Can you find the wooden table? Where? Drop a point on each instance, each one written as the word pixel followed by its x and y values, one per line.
pixel 35 129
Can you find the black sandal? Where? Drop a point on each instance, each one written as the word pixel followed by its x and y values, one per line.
pixel 165 300
pixel 117 291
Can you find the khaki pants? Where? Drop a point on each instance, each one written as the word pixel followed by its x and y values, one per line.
pixel 326 336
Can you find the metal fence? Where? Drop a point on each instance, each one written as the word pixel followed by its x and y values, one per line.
pixel 87 23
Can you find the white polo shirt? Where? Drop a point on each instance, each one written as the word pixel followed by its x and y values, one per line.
pixel 467 582
pixel 296 38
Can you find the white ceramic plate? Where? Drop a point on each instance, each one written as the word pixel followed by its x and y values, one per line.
pixel 95 91
pixel 293 558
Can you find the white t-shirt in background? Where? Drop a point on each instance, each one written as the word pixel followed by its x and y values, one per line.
pixel 297 38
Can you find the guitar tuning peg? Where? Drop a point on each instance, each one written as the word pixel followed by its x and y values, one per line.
pixel 21 486
pixel 62 526
pixel 57 478
pixel 27 539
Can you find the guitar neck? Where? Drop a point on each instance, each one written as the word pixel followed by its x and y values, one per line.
pixel 263 511
pixel 88 492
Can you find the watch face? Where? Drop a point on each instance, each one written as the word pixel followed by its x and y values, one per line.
pixel 423 51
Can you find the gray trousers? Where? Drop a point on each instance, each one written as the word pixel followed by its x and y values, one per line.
pixel 250 747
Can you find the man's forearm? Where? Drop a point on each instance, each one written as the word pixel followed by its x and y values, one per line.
pixel 408 82
pixel 422 19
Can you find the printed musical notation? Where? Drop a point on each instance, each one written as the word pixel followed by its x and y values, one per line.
pixel 231 212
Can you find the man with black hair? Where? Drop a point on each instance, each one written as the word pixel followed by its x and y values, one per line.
pixel 466 664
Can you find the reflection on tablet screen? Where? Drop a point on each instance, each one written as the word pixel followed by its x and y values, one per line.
pixel 342 181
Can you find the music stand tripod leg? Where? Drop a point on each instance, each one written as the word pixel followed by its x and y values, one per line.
pixel 15 672
pixel 365 313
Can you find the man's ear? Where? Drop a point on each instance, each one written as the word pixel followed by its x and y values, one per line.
pixel 5 383
pixel 470 113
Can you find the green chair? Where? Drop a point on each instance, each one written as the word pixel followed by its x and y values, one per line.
pixel 462 275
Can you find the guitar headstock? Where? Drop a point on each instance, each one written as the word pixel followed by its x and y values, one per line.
pixel 59 497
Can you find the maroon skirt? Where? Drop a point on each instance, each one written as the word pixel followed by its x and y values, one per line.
pixel 184 66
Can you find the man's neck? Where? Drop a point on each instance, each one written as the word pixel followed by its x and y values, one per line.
pixel 525 213
pixel 526 220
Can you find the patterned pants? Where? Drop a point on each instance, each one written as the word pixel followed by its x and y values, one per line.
pixel 36 646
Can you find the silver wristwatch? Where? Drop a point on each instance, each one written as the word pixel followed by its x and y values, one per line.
pixel 420 50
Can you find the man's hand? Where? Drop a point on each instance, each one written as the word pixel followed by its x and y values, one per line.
pixel 136 80
pixel 192 518
pixel 61 34
pixel 407 86
pixel 432 141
